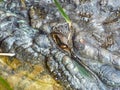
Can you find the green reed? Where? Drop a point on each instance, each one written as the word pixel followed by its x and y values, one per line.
pixel 64 15
pixel 4 84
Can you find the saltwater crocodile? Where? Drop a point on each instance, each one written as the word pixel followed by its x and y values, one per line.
pixel 34 29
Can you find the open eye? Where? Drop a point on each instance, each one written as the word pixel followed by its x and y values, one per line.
pixel 58 40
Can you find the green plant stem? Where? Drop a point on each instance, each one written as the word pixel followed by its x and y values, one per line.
pixel 62 12
pixel 5 84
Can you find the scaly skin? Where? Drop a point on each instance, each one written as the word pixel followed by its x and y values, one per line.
pixel 93 17
pixel 62 66
pixel 28 44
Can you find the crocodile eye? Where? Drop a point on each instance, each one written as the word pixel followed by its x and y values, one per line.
pixel 59 42
pixel 56 39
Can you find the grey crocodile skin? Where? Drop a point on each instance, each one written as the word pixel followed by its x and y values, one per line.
pixel 25 30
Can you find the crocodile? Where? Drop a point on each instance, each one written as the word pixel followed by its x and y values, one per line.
pixel 34 29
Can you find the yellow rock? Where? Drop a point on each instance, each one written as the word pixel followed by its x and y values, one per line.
pixel 25 76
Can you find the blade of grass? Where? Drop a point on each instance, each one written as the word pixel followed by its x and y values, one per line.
pixel 5 84
pixel 82 70
pixel 66 17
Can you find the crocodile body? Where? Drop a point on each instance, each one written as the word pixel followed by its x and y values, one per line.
pixel 26 29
